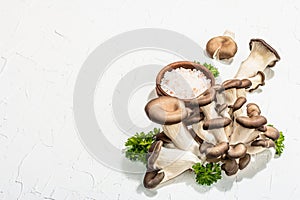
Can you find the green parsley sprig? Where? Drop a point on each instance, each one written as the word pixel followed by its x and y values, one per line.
pixel 211 68
pixel 137 146
pixel 207 174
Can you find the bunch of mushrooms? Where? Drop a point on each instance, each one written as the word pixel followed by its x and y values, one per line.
pixel 218 126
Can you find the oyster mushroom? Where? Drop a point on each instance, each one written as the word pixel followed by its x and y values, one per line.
pixel 222 47
pixel 211 151
pixel 245 126
pixel 262 55
pixel 237 151
pixel 165 164
pixel 244 161
pixel 170 111
pixel 230 166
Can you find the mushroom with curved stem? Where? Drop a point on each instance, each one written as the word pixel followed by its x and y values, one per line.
pixel 222 47
pixel 165 164
pixel 170 111
pixel 262 55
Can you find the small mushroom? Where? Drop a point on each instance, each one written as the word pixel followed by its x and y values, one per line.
pixel 253 110
pixel 153 178
pixel 240 101
pixel 244 161
pixel 271 133
pixel 216 123
pixel 237 151
pixel 217 150
pixel 230 167
pixel 165 164
pixel 170 111
pixel 221 47
pixel 253 122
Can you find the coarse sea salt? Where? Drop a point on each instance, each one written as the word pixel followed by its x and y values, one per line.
pixel 185 83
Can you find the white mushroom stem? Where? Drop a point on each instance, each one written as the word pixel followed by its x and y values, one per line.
pixel 250 137
pixel 240 134
pixel 181 137
pixel 204 134
pixel 260 57
pixel 210 113
pixel 173 162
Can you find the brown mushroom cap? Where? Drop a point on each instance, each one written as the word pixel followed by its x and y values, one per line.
pixel 155 149
pixel 244 161
pixel 266 45
pixel 266 143
pixel 217 150
pixel 230 167
pixel 216 123
pixel 253 110
pixel 232 83
pixel 253 122
pixel 272 133
pixel 166 110
pixel 153 178
pixel 239 102
pixel 225 46
pixel 237 151
pixel 246 83
pixel 206 98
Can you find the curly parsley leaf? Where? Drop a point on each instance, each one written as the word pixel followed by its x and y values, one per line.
pixel 211 68
pixel 207 174
pixel 279 145
pixel 137 146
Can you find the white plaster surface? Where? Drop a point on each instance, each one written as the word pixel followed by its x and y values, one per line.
pixel 43 44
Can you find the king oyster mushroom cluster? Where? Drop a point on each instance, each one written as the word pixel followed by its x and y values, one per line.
pixel 218 126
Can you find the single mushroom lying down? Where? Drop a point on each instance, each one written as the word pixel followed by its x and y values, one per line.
pixel 170 111
pixel 166 163
pixel 222 47
pixel 262 55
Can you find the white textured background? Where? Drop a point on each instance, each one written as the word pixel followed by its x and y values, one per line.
pixel 43 44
